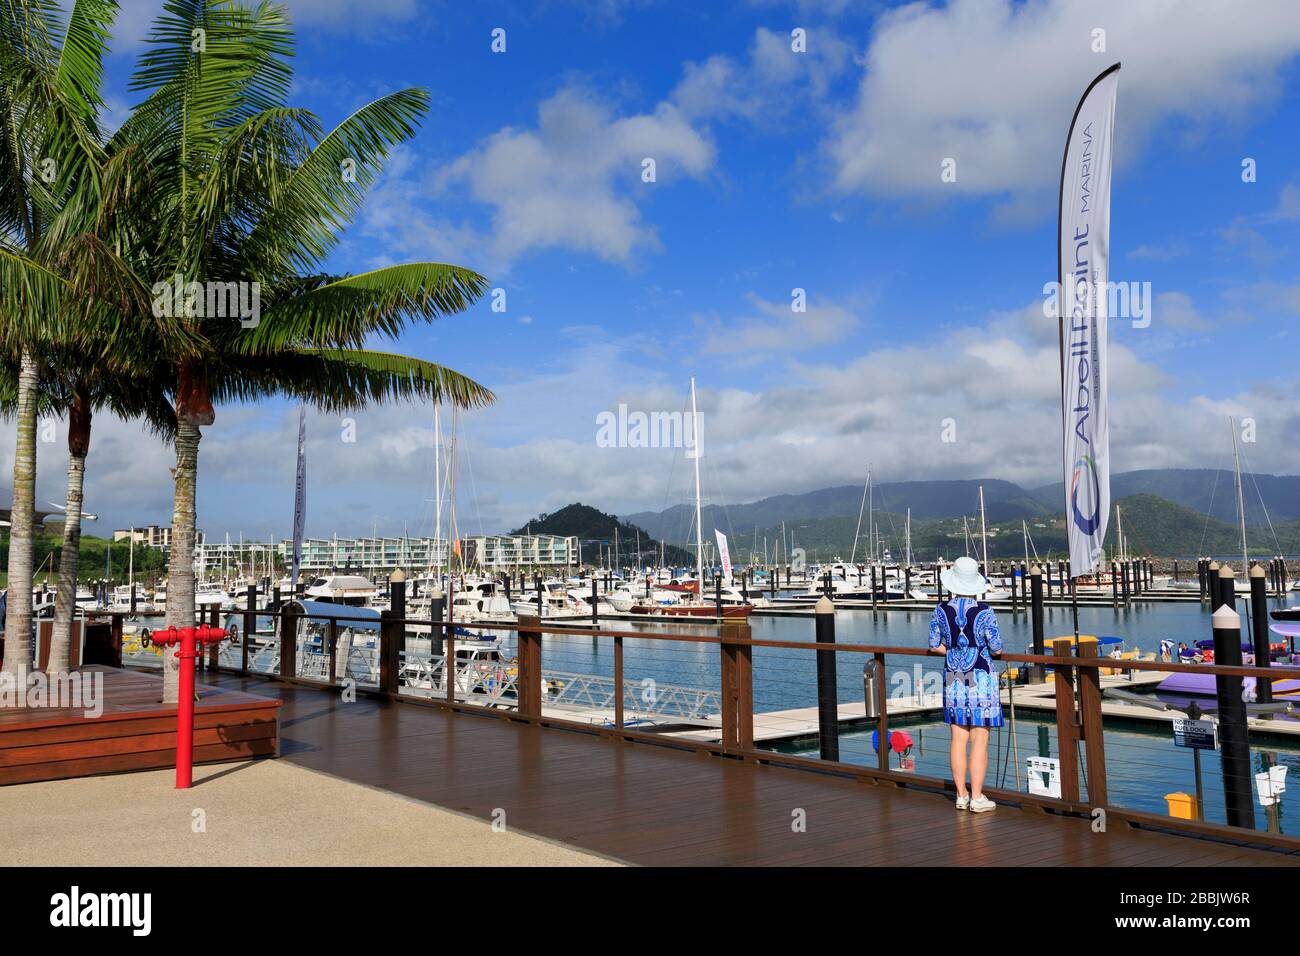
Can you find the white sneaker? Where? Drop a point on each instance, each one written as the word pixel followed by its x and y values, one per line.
pixel 963 803
pixel 982 805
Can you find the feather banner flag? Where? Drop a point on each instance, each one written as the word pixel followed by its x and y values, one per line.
pixel 1083 253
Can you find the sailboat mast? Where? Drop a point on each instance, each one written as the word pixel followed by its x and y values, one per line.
pixel 699 518
pixel 437 495
pixel 1241 499
pixel 858 531
pixel 984 530
pixel 871 516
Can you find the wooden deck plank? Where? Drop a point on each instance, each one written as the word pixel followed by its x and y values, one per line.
pixel 132 730
pixel 658 806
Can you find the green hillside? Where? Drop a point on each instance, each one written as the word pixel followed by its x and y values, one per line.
pixel 94 564
pixel 596 531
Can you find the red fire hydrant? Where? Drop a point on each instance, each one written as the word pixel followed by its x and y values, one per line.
pixel 189 639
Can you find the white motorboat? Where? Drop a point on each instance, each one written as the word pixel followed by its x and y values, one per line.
pixel 351 589
pixel 556 602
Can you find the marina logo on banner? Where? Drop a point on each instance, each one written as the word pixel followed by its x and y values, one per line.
pixel 1083 253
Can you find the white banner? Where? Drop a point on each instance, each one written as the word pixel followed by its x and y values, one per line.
pixel 724 554
pixel 1084 258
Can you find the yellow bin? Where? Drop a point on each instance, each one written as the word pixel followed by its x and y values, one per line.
pixel 1182 806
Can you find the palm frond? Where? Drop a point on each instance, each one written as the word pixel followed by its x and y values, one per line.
pixel 345 313
pixel 340 380
pixel 325 192
pixel 81 57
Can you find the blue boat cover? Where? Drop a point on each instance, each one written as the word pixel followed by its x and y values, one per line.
pixel 319 610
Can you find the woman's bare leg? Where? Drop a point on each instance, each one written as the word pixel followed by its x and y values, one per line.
pixel 957 756
pixel 979 760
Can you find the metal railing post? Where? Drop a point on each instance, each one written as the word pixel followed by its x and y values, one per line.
pixel 618 683
pixel 250 627
pixel 116 640
pixel 828 724
pixel 1239 808
pixel 882 714
pixel 332 644
pixel 391 630
pixel 1036 620
pixel 289 643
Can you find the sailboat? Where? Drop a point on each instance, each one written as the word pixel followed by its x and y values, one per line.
pixel 1242 582
pixel 693 602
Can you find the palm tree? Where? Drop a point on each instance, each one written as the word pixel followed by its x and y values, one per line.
pixel 127 397
pixel 244 188
pixel 50 78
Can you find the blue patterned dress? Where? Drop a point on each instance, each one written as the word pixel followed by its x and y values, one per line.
pixel 969 630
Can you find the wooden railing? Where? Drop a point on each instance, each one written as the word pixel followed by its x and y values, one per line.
pixel 1078 716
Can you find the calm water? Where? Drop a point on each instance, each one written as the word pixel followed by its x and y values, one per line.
pixel 1142 765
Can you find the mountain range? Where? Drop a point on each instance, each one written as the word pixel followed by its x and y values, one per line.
pixel 1205 492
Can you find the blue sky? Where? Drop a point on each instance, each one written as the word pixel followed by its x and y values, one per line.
pixel 778 170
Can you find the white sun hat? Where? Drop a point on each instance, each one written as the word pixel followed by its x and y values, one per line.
pixel 964 578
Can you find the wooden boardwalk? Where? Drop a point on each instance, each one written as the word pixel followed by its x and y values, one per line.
pixel 658 806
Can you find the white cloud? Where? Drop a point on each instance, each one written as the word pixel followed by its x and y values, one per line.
pixel 817 424
pixel 575 179
pixel 823 424
pixel 771 82
pixel 1288 204
pixel 992 84
pixel 777 328
pixel 1175 310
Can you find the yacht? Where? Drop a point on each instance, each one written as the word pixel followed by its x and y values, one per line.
pixel 351 589
pixel 208 593
pixel 556 602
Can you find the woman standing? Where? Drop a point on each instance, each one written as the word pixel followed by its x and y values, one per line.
pixel 965 631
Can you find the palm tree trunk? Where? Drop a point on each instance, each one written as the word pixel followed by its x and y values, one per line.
pixel 180 563
pixel 65 598
pixel 18 614
pixel 193 409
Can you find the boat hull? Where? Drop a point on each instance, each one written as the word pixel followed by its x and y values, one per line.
pixel 729 611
